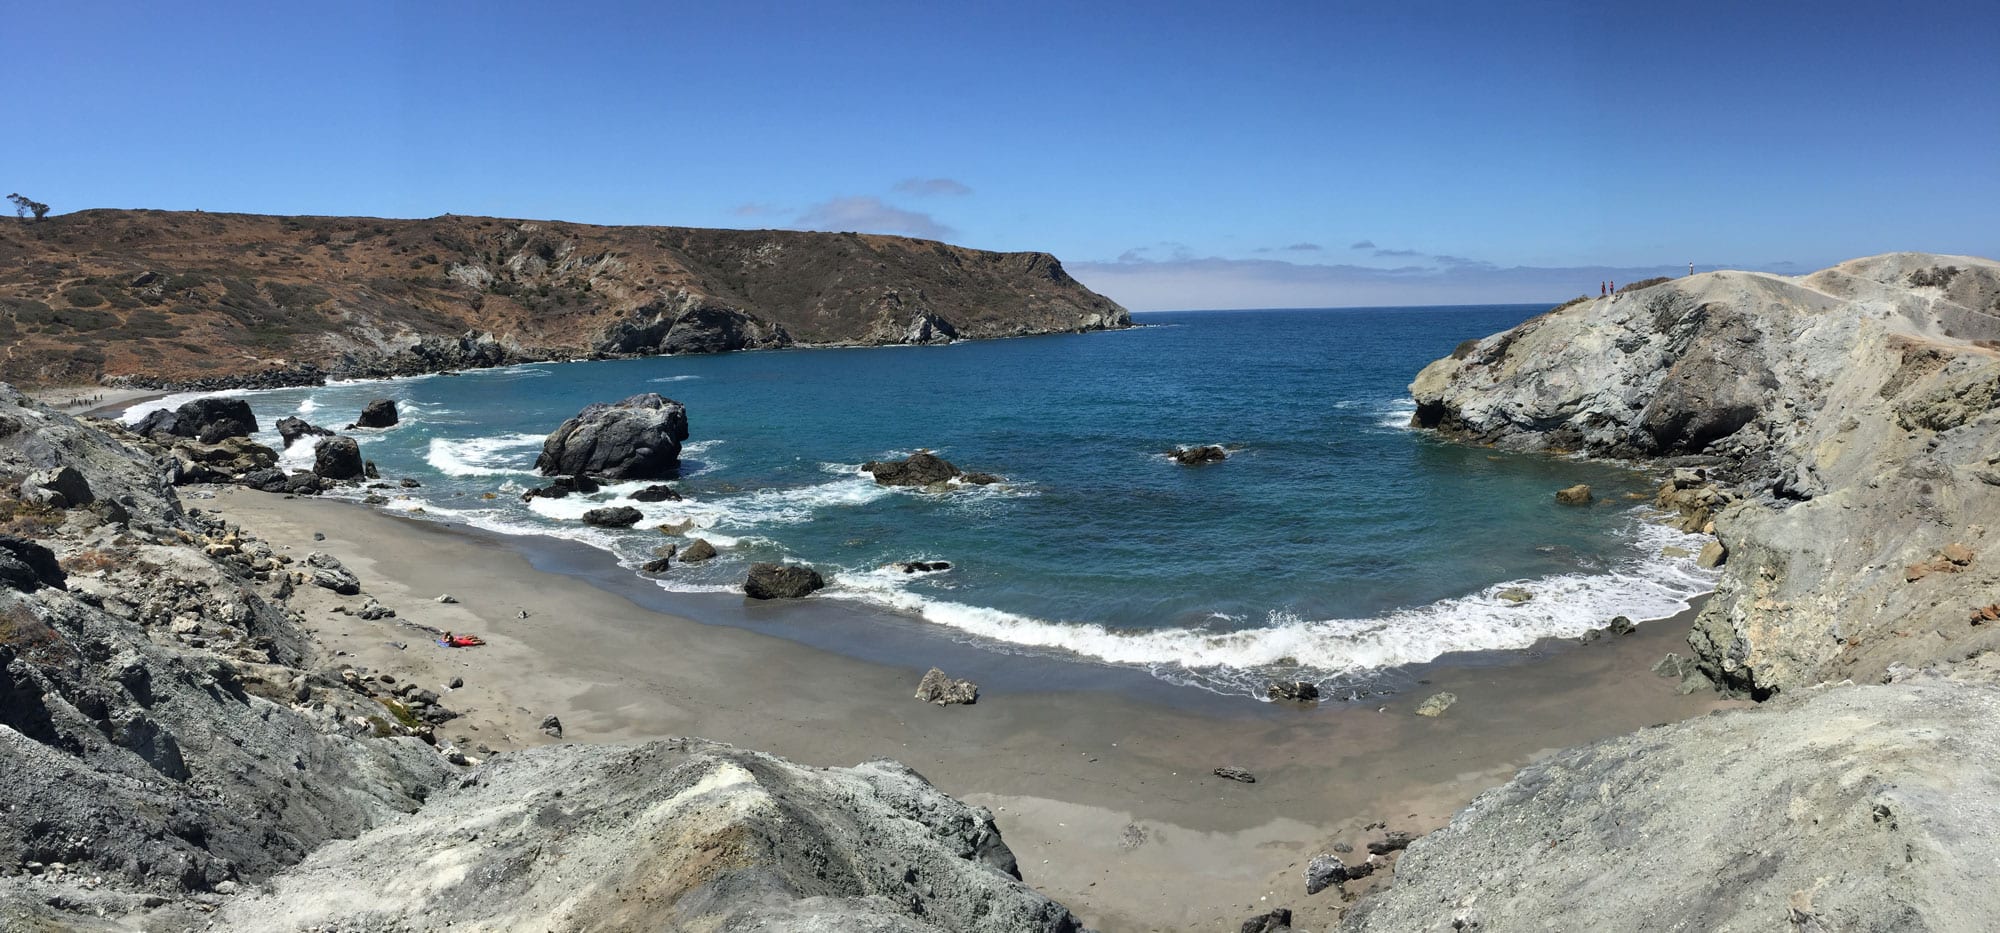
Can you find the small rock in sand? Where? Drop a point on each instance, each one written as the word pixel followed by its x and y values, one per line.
pixel 319 536
pixel 447 598
pixel 552 727
pixel 1278 920
pixel 1304 691
pixel 456 682
pixel 938 687
pixel 1236 774
pixel 1621 625
pixel 1394 840
pixel 1436 704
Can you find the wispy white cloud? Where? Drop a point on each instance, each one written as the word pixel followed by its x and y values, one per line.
pixel 1363 244
pixel 1294 248
pixel 933 187
pixel 870 214
pixel 1190 283
pixel 756 210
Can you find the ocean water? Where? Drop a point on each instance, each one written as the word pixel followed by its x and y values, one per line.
pixel 1334 543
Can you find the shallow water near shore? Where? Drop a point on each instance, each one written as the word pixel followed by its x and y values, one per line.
pixel 1334 544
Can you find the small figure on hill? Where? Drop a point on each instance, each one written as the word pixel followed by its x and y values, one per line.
pixel 1602 291
pixel 1690 268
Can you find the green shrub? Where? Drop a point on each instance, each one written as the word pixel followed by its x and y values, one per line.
pixel 1939 276
pixel 83 296
pixel 1644 283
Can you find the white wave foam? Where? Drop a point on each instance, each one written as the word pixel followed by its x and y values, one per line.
pixel 1648 587
pixel 674 379
pixel 300 455
pixel 307 406
pixel 482 456
pixel 1396 412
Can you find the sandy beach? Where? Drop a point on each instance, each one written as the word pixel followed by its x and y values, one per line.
pixel 1100 778
pixel 92 400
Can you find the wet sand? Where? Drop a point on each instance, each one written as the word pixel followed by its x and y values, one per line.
pixel 1100 778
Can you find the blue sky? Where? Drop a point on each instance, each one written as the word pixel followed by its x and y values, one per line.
pixel 1174 156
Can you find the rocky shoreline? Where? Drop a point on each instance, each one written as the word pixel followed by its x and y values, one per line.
pixel 1836 432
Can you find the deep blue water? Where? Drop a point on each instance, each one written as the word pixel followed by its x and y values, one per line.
pixel 1334 541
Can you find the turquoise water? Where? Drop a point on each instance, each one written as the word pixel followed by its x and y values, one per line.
pixel 1334 542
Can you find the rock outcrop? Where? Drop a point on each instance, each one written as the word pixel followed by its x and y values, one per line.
pixel 208 420
pixel 1855 808
pixel 617 516
pixel 291 428
pixel 380 413
pixel 338 458
pixel 637 438
pixel 923 468
pixel 1196 456
pixel 1846 421
pixel 781 581
pixel 679 834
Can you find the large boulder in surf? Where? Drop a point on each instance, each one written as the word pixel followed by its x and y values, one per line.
pixel 781 581
pixel 208 420
pixel 617 516
pixel 638 438
pixel 380 413
pixel 291 428
pixel 922 468
pixel 338 458
pixel 1196 456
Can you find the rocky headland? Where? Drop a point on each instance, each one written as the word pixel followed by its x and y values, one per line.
pixel 1838 434
pixel 212 301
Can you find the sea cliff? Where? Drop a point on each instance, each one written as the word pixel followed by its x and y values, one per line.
pixel 201 300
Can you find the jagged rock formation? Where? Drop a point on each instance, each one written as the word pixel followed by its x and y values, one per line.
pixel 679 834
pixel 637 438
pixel 172 738
pixel 1849 414
pixel 1860 808
pixel 238 300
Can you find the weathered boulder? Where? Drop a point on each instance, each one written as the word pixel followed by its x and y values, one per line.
pixel 681 834
pixel 338 458
pixel 922 468
pixel 1578 494
pixel 657 565
pixel 656 493
pixel 1304 691
pixel 291 428
pixel 939 688
pixel 326 570
pixel 1239 775
pixel 1435 704
pixel 231 456
pixel 61 488
pixel 637 438
pixel 207 420
pixel 1847 808
pixel 1196 456
pixel 780 581
pixel 617 516
pixel 28 566
pixel 697 551
pixel 380 413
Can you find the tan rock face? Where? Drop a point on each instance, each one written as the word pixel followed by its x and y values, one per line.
pixel 1847 422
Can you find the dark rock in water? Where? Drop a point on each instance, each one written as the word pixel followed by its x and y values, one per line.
pixel 408 483
pixel 292 428
pixel 552 727
pixel 1621 625
pixel 781 581
pixel 980 479
pixel 1236 774
pixel 938 687
pixel 27 566
pixel 306 484
pixel 1578 494
pixel 338 458
pixel 657 565
pixel 369 471
pixel 1302 690
pixel 1392 841
pixel 921 566
pixel 380 413
pixel 208 420
pixel 618 516
pixel 60 488
pixel 638 438
pixel 656 494
pixel 562 486
pixel 922 468
pixel 1276 921
pixel 697 551
pixel 1195 456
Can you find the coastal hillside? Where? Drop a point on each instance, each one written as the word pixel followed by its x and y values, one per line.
pixel 1838 432
pixel 164 297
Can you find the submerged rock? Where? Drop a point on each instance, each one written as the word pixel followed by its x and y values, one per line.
pixel 939 688
pixel 637 438
pixel 922 468
pixel 697 551
pixel 1304 691
pixel 780 581
pixel 1578 494
pixel 657 493
pixel 1196 456
pixel 921 566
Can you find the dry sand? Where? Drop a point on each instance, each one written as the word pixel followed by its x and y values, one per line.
pixel 1105 794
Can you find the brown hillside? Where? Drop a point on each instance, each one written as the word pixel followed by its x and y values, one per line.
pixel 160 296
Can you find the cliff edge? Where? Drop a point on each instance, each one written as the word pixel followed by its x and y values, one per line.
pixel 1847 419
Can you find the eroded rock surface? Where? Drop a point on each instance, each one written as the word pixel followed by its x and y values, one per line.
pixel 637 438
pixel 676 834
